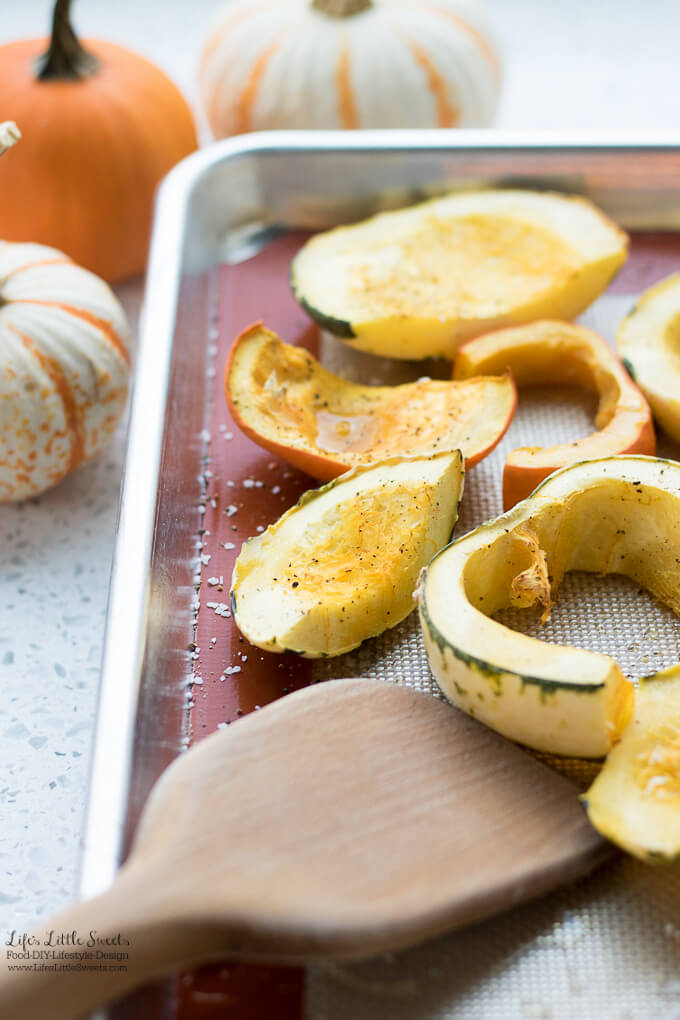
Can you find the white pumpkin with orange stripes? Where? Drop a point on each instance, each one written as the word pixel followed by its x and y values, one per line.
pixel 349 64
pixel 64 370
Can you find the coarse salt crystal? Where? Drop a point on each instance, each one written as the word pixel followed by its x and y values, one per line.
pixel 205 559
pixel 231 510
pixel 228 545
pixel 276 490
pixel 228 435
pixel 219 608
pixel 232 669
pixel 248 483
pixel 204 436
pixel 213 580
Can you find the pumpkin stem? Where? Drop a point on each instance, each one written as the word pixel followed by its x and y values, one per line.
pixel 66 59
pixel 9 134
pixel 341 8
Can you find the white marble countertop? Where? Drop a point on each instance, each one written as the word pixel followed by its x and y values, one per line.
pixel 602 67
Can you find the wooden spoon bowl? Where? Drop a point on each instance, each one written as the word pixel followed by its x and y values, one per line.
pixel 347 819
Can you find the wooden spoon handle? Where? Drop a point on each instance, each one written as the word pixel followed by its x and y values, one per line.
pixel 92 953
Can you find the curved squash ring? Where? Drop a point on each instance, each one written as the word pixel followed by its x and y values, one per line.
pixel 559 352
pixel 617 515
pixel 648 340
pixel 284 400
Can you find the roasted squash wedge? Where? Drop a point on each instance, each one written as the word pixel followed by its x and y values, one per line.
pixel 284 400
pixel 340 566
pixel 616 515
pixel 648 340
pixel 559 352
pixel 420 281
pixel 635 800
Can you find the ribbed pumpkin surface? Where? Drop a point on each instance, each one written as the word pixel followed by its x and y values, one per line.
pixel 64 370
pixel 396 64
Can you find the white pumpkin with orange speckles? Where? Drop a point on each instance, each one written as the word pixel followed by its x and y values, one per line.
pixel 64 367
pixel 349 64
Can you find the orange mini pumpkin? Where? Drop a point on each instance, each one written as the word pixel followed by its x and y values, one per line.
pixel 101 126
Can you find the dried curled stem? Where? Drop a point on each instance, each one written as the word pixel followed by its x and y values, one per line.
pixel 66 59
pixel 9 134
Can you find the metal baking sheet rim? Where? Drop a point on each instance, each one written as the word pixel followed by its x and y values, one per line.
pixel 127 612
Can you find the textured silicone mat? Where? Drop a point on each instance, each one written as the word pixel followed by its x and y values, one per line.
pixel 608 948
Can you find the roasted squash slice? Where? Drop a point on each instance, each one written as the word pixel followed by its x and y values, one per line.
pixel 617 515
pixel 420 281
pixel 635 800
pixel 559 352
pixel 648 340
pixel 340 566
pixel 284 400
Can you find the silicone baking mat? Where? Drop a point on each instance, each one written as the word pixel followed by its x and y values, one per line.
pixel 608 947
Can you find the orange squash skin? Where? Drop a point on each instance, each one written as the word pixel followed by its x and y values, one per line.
pixel 323 466
pixel 92 154
pixel 553 351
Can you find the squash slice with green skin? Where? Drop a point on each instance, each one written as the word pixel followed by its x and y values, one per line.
pixel 648 340
pixel 559 352
pixel 635 800
pixel 284 400
pixel 340 566
pixel 418 282
pixel 616 515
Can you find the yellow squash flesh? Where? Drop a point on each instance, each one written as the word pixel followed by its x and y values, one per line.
pixel 635 800
pixel 648 341
pixel 420 281
pixel 615 515
pixel 340 566
pixel 284 400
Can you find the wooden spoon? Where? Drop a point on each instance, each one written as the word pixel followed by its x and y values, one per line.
pixel 346 819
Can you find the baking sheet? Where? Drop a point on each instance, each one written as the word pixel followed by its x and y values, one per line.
pixel 245 490
pixel 268 185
